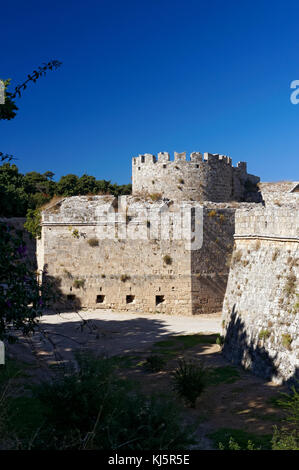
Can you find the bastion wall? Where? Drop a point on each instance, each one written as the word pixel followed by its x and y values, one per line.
pixel 261 305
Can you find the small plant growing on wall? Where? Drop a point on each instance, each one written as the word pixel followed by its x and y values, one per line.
pixel 212 213
pixel 124 277
pixel 220 339
pixel 93 242
pixel 78 283
pixel 181 181
pixel 236 258
pixel 257 245
pixel 286 340
pixel 290 285
pixel 264 334
pixel 75 233
pixel 67 274
pixel 275 254
pixel 167 259
pixel 155 196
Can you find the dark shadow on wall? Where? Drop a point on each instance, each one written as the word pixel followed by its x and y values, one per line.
pixel 58 301
pixel 241 350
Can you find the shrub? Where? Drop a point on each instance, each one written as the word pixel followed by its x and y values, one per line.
pixel 167 259
pixel 33 222
pixel 275 254
pixel 79 283
pixel 257 245
pixel 124 277
pixel 220 340
pixel 288 439
pixel 93 242
pixel 237 439
pixel 212 213
pixel 22 298
pixel 154 363
pixel 286 340
pixel 155 196
pixel 233 445
pixel 189 381
pixel 93 409
pixel 75 233
pixel 284 440
pixel 264 334
pixel 68 274
pixel 237 256
pixel 290 285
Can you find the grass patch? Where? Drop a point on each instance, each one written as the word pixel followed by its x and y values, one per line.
pixel 154 363
pixel 186 341
pixel 25 416
pixel 224 435
pixel 227 375
pixel 12 369
pixel 175 344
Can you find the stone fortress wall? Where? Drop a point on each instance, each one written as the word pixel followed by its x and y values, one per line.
pixel 129 268
pixel 261 305
pixel 202 178
pixel 249 255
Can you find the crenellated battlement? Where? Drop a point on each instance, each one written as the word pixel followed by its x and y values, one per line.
pixel 195 157
pixel 198 177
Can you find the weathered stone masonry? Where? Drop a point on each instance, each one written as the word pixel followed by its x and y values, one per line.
pixel 153 274
pixel 208 178
pixel 261 306
pixel 149 274
pixel 129 273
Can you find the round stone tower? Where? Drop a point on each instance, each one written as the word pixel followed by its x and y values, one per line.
pixel 202 178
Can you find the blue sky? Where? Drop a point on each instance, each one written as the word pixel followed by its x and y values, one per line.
pixel 152 75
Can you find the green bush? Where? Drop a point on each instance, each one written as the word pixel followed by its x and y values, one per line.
pixel 154 363
pixel 237 439
pixel 264 334
pixel 287 438
pixel 189 381
pixel 92 408
pixel 220 340
pixel 33 222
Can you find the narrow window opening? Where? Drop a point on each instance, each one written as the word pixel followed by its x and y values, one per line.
pixel 100 299
pixel 160 299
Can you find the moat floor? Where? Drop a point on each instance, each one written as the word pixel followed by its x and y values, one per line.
pixel 235 401
pixel 107 332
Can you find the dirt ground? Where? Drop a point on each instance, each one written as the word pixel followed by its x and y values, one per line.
pixel 235 400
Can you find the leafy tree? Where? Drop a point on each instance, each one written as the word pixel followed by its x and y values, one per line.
pixel 68 185
pixel 8 109
pixel 22 299
pixel 13 198
pixel 33 222
pixel 87 184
